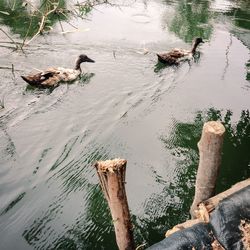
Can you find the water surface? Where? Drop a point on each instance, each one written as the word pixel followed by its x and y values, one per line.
pixel 125 106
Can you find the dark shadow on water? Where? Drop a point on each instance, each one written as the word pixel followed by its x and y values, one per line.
pixel 85 78
pixel 38 91
pixel 159 66
pixel 197 56
pixel 13 203
pixel 248 71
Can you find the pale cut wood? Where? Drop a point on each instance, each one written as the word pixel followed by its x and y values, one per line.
pixel 111 174
pixel 210 147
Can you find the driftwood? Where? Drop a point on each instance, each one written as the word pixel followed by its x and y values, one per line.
pixel 111 174
pixel 210 146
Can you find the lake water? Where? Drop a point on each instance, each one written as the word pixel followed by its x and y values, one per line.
pixel 125 106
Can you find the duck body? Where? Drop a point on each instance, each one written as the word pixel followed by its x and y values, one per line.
pixel 175 56
pixel 52 77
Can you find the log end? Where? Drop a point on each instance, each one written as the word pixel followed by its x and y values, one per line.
pixel 110 165
pixel 214 127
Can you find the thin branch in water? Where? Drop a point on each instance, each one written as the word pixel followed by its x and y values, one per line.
pixel 60 23
pixel 28 30
pixel 10 38
pixel 227 58
pixel 2 102
pixel 13 73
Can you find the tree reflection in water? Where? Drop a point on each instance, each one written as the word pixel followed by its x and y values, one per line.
pixel 191 19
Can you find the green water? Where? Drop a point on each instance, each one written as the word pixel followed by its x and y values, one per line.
pixel 126 105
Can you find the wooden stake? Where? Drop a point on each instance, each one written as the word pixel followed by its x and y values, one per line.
pixel 210 147
pixel 111 174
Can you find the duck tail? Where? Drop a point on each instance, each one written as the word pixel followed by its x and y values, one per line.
pixel 159 56
pixel 26 79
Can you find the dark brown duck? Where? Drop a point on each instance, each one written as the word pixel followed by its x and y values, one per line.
pixel 51 77
pixel 176 55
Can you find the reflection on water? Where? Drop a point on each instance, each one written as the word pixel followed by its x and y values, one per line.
pixel 192 19
pixel 126 105
pixel 235 160
pixel 24 18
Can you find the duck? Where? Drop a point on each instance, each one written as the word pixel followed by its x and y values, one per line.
pixel 176 55
pixel 51 77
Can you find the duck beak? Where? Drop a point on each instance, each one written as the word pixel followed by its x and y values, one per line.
pixel 89 60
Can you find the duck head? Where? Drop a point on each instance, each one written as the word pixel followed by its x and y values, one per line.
pixel 197 41
pixel 82 58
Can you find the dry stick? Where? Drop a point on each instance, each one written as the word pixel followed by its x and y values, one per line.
pixel 2 102
pixel 111 174
pixel 9 37
pixel 210 147
pixel 42 24
pixel 13 73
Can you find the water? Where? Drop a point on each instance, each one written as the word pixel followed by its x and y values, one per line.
pixel 126 106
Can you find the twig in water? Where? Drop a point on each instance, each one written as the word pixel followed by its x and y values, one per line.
pixel 13 73
pixel 10 38
pixel 2 102
pixel 141 246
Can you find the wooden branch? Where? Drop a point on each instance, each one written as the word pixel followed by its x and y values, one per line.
pixel 42 24
pixel 9 38
pixel 210 147
pixel 111 174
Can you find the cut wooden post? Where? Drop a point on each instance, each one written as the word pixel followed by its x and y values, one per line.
pixel 111 174
pixel 210 147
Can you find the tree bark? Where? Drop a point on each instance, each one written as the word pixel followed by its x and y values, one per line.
pixel 111 174
pixel 210 147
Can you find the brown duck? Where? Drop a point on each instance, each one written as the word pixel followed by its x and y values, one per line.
pixel 53 76
pixel 174 56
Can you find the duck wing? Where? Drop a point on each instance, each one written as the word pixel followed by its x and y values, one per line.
pixel 47 78
pixel 173 56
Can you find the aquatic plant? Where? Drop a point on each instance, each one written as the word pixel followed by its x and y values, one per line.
pixel 30 20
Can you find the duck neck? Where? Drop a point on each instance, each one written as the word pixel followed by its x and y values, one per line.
pixel 194 47
pixel 78 65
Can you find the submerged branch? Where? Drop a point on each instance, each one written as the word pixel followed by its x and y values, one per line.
pixel 10 38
